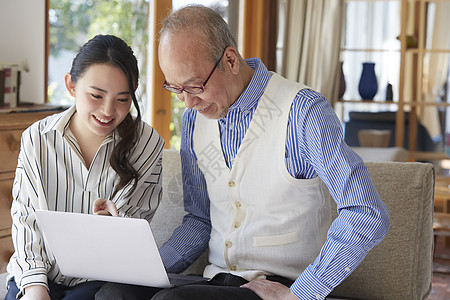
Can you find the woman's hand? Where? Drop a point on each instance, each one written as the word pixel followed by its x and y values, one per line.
pixel 36 292
pixel 105 207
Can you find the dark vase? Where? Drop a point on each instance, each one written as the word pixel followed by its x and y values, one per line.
pixel 389 92
pixel 368 85
pixel 342 85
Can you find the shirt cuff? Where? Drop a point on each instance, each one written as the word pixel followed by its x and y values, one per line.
pixel 32 277
pixel 171 259
pixel 308 286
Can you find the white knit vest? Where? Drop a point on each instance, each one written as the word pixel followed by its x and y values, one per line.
pixel 264 221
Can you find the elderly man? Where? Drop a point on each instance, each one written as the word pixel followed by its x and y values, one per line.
pixel 258 153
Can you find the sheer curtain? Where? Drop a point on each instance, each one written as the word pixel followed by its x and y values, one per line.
pixel 371 31
pixel 311 43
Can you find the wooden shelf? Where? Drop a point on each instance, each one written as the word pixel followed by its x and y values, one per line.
pixel 33 108
pixel 367 101
pixel 369 50
pixel 374 0
pixel 437 104
pixel 426 50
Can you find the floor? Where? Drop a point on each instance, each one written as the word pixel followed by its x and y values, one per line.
pixel 441 272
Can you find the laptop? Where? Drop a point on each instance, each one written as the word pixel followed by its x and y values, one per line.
pixel 106 248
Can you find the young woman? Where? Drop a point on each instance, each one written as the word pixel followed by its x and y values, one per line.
pixel 96 157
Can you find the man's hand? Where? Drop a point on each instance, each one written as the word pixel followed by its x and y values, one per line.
pixel 270 290
pixel 36 292
pixel 105 207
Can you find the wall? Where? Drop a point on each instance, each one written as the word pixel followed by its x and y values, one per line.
pixel 22 37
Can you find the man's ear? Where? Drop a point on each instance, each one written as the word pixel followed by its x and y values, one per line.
pixel 70 85
pixel 231 58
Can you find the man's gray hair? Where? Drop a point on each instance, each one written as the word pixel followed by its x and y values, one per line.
pixel 214 32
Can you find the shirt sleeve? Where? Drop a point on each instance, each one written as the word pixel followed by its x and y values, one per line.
pixel 147 161
pixel 363 219
pixel 191 238
pixel 29 263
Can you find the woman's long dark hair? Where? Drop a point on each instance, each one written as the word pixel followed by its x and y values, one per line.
pixel 109 49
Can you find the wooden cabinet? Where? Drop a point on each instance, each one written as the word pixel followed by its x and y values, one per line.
pixel 11 127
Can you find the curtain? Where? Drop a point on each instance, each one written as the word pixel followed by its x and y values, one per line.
pixel 312 44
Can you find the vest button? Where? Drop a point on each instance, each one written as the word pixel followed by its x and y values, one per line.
pixel 231 183
pixel 237 224
pixel 238 204
pixel 228 244
pixel 233 268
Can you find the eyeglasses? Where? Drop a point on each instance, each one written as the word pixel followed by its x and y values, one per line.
pixel 192 89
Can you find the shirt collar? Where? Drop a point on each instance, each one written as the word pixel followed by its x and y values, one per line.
pixel 249 98
pixel 61 124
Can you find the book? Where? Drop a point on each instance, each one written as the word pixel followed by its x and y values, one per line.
pixel 14 87
pixel 11 86
pixel 7 89
pixel 2 87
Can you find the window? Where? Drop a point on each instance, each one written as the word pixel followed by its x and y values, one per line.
pixel 228 10
pixel 73 22
pixel 371 31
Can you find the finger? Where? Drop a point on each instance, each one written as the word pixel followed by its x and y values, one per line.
pixel 257 286
pixel 267 289
pixel 99 204
pixel 102 213
pixel 111 208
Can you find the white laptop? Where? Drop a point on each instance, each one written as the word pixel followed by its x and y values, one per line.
pixel 106 248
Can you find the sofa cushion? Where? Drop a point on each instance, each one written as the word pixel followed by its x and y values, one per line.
pixel 3 285
pixel 170 212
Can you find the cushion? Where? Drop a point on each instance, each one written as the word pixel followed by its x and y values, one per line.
pixel 170 212
pixel 3 285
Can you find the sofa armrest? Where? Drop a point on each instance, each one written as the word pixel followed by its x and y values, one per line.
pixel 400 267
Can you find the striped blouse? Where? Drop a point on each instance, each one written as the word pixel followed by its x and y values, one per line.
pixel 314 147
pixel 51 174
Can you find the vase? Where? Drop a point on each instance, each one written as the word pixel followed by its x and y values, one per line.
pixel 368 85
pixel 389 92
pixel 342 85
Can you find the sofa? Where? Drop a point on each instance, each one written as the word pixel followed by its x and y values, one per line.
pixel 400 267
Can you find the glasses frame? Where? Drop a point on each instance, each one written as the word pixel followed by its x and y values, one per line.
pixel 201 88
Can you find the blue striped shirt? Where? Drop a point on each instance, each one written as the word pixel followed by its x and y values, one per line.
pixel 314 147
